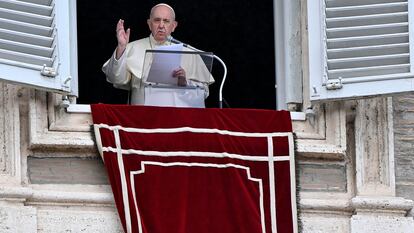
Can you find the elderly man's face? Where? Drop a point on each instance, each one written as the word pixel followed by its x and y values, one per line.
pixel 161 23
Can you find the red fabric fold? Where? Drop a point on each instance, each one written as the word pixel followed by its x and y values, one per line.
pixel 182 170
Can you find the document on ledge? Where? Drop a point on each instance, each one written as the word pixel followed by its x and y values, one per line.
pixel 164 63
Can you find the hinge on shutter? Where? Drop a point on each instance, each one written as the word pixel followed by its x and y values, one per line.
pixel 66 83
pixel 48 71
pixel 334 84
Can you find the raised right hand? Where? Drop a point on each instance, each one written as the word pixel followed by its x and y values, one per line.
pixel 122 36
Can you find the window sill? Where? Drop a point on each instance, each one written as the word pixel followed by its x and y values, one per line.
pixel 86 108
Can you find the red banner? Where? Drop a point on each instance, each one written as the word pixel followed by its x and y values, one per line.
pixel 185 170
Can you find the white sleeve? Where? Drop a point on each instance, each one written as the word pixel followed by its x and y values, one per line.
pixel 115 70
pixel 193 83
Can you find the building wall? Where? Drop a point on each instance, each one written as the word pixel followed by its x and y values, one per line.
pixel 354 164
pixel 404 144
pixel 53 180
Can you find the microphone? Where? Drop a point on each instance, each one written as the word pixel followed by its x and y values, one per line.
pixel 175 41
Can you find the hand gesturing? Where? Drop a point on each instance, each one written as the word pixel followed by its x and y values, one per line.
pixel 122 36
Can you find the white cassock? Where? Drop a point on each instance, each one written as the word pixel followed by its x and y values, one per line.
pixel 127 72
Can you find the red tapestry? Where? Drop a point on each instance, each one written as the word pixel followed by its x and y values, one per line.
pixel 185 170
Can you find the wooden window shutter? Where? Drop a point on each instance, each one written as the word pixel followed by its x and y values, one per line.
pixel 35 49
pixel 363 48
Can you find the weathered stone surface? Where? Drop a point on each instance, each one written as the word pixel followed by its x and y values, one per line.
pixel 9 134
pixel 404 145
pixel 380 224
pixel 324 223
pixel 324 177
pixel 15 219
pixel 67 171
pixel 60 219
pixel 405 190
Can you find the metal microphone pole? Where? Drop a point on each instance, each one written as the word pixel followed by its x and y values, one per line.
pixel 218 59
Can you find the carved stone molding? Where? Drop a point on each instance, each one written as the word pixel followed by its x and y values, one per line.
pixel 374 147
pixel 52 129
pixel 323 134
pixel 339 206
pixel 324 214
pixel 377 209
pixel 10 166
pixel 381 214
pixel 388 206
pixel 57 208
pixel 73 195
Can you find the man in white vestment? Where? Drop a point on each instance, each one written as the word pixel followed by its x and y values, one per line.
pixel 125 67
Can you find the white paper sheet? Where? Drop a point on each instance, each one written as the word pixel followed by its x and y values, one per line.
pixel 163 65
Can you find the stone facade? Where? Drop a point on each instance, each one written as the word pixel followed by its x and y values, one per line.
pixel 353 170
pixel 354 162
pixel 51 177
pixel 404 144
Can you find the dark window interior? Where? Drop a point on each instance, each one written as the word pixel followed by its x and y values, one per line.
pixel 240 32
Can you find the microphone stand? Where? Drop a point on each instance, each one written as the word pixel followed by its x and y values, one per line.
pixel 215 57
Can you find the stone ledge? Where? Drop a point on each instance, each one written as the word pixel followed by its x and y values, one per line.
pixel 33 196
pixel 385 205
pixel 325 206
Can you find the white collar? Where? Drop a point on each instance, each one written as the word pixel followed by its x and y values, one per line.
pixel 153 42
